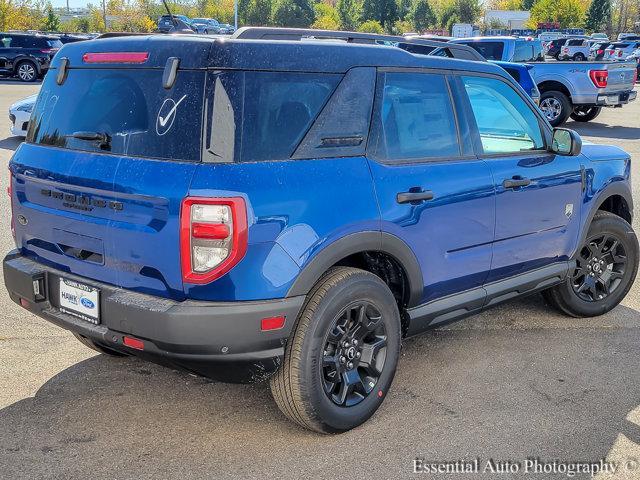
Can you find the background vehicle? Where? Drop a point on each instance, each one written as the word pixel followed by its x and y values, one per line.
pixel 620 50
pixel 597 50
pixel 628 36
pixel 521 73
pixel 507 49
pixel 599 37
pixel 72 37
pixel 575 49
pixel 26 56
pixel 165 23
pixel 462 30
pixel 554 47
pixel 206 25
pixel 227 29
pixel 20 114
pixel 181 246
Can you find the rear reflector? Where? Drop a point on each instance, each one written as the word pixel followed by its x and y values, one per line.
pixel 116 57
pixel 214 231
pixel 24 303
pixel 272 323
pixel 133 343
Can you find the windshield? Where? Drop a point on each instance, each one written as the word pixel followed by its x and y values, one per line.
pixel 489 50
pixel 121 111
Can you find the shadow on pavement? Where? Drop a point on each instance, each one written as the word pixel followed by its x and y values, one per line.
pixel 11 143
pixel 13 81
pixel 594 129
pixel 505 394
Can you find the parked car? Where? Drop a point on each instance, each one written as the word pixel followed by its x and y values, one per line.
pixel 26 56
pixel 628 36
pixel 597 50
pixel 166 23
pixel 19 115
pixel 206 25
pixel 620 50
pixel 576 49
pixel 599 37
pixel 507 49
pixel 553 47
pixel 72 37
pixel 521 73
pixel 180 244
pixel 635 57
pixel 227 29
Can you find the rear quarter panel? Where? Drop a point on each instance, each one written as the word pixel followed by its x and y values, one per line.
pixel 295 209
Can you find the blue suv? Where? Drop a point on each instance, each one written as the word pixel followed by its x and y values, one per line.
pixel 284 209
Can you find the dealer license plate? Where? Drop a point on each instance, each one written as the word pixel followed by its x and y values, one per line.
pixel 80 300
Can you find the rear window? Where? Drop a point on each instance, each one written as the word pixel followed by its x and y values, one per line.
pixel 127 111
pixel 489 50
pixel 256 116
pixel 527 51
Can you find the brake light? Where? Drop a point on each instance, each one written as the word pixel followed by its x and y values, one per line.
pixel 599 52
pixel 619 53
pixel 49 50
pixel 635 77
pixel 116 57
pixel 599 77
pixel 133 343
pixel 10 193
pixel 213 237
pixel 565 49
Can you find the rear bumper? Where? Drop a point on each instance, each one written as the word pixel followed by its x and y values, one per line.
pixel 220 340
pixel 614 99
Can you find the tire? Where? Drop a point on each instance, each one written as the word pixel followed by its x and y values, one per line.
pixel 303 387
pixel 27 71
pixel 98 348
pixel 594 300
pixel 585 114
pixel 555 106
pixel 578 57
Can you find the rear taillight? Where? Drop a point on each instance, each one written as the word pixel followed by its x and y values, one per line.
pixel 599 77
pixel 565 49
pixel 599 52
pixel 619 53
pixel 635 76
pixel 10 193
pixel 115 57
pixel 213 237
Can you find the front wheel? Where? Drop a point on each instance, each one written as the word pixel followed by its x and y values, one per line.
pixel 555 106
pixel 341 358
pixel 585 114
pixel 27 71
pixel 606 266
pixel 579 57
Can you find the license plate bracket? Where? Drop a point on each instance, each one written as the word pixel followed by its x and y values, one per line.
pixel 80 300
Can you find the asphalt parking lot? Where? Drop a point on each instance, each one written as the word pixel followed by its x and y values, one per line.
pixel 516 382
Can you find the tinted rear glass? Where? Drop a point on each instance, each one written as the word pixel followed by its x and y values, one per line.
pixel 489 50
pixel 258 116
pixel 130 106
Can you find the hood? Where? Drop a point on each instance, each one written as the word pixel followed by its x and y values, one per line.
pixel 600 153
pixel 28 101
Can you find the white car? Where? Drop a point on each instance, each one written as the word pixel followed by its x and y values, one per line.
pixel 20 113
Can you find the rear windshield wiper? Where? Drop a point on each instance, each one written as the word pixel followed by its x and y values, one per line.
pixel 101 137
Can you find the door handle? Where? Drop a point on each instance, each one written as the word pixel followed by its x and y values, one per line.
pixel 414 196
pixel 516 182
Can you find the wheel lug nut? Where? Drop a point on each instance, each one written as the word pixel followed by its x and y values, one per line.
pixel 349 365
pixel 357 354
pixel 345 344
pixel 355 342
pixel 342 359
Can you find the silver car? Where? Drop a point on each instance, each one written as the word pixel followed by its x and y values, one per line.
pixel 621 50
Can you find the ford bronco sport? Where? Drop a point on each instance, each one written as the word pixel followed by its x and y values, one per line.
pixel 247 209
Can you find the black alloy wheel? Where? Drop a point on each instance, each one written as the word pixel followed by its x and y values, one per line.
pixel 354 354
pixel 600 267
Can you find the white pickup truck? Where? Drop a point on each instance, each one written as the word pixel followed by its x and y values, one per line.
pixel 575 49
pixel 567 89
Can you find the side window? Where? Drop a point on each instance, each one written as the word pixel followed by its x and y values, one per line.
pixel 415 118
pixel 17 41
pixel 5 41
pixel 489 50
pixel 523 51
pixel 506 123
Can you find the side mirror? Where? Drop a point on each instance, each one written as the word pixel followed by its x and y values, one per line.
pixel 566 142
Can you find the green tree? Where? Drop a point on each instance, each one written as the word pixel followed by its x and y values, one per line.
pixel 293 13
pixel 568 13
pixel 422 16
pixel 51 21
pixel 258 13
pixel 528 4
pixel 371 26
pixel 404 8
pixel 598 15
pixel 385 12
pixel 348 14
pixel 448 16
pixel 326 17
pixel 468 10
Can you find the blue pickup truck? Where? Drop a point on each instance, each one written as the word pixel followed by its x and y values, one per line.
pixel 291 210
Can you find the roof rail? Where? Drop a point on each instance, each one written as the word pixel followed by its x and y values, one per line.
pixel 415 45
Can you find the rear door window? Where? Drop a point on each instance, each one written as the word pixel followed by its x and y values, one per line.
pixel 415 118
pixel 489 50
pixel 258 116
pixel 126 110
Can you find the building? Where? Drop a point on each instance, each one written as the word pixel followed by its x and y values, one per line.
pixel 508 19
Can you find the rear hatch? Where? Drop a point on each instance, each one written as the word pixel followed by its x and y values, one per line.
pixel 109 156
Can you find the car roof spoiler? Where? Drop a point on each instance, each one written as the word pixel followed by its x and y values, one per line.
pixel 411 44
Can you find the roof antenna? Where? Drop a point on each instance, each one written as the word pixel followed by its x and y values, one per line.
pixel 179 26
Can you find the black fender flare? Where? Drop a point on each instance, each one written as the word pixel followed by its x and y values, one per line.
pixel 356 243
pixel 31 59
pixel 617 188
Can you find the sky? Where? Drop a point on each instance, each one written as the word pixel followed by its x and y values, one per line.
pixel 72 3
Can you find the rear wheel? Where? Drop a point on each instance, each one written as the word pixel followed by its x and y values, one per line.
pixel 585 113
pixel 606 266
pixel 98 348
pixel 26 71
pixel 555 106
pixel 579 57
pixel 341 358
